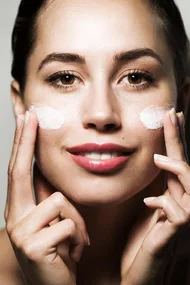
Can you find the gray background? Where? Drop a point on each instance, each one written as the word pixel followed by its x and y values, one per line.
pixel 8 9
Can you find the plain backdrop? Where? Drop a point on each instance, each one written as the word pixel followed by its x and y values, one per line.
pixel 8 10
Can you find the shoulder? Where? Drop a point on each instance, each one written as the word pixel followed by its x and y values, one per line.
pixel 10 272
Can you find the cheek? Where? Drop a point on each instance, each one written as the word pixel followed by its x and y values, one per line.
pixel 153 142
pixel 51 144
pixel 152 116
pixel 144 127
pixel 48 117
pixel 46 142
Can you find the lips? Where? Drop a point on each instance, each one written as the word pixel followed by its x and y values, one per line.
pixel 100 158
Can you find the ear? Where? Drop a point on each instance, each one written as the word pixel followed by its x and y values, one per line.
pixel 17 100
pixel 183 101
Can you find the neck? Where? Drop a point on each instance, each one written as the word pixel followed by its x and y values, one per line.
pixel 110 228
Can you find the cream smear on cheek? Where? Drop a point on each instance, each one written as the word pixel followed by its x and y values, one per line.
pixel 52 119
pixel 48 117
pixel 152 116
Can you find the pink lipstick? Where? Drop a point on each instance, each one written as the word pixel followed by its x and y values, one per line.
pixel 100 158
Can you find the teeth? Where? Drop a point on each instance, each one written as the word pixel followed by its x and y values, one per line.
pixel 101 156
pixel 95 155
pixel 105 156
pixel 87 154
pixel 114 154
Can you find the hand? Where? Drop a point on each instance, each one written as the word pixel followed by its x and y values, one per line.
pixel 34 230
pixel 172 209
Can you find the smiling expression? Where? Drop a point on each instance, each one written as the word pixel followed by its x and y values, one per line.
pixel 101 73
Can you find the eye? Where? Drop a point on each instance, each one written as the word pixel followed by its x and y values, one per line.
pixel 135 78
pixel 63 80
pixel 67 79
pixel 138 79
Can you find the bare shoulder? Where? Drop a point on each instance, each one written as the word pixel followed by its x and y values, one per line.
pixel 9 269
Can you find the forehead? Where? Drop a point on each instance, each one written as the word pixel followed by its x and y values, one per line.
pixel 99 27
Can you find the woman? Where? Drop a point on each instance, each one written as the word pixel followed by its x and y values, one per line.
pixel 102 80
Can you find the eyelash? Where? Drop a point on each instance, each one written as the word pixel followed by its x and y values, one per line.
pixel 55 79
pixel 146 77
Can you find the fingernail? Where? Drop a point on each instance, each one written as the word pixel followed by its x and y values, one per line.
pixel 88 239
pixel 27 116
pixel 173 116
pixel 181 120
pixel 150 199
pixel 161 158
pixel 19 121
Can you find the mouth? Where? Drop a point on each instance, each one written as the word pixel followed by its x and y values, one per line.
pixel 100 158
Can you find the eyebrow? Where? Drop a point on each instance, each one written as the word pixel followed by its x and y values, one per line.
pixel 125 56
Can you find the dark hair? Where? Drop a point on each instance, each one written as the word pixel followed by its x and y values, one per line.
pixel 23 37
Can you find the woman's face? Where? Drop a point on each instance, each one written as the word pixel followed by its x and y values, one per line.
pixel 105 97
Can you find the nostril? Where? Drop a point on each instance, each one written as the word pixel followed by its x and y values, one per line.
pixel 91 126
pixel 102 127
pixel 110 127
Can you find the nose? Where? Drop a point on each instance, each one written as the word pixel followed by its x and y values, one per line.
pixel 101 111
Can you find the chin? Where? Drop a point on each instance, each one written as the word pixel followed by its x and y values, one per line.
pixel 99 190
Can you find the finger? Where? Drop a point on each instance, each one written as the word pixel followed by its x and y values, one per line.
pixel 19 125
pixel 174 149
pixel 180 168
pixel 41 244
pixel 152 252
pixel 47 211
pixel 176 216
pixel 21 196
pixel 42 188
pixel 18 131
pixel 181 121
pixel 23 161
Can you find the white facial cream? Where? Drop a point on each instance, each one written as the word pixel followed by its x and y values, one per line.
pixel 49 118
pixel 152 116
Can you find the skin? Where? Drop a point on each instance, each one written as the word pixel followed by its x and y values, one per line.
pixel 110 103
pixel 99 98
